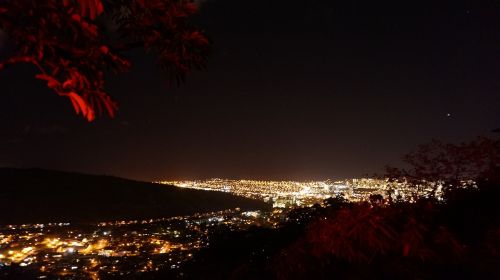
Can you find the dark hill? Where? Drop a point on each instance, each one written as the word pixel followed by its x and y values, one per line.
pixel 39 196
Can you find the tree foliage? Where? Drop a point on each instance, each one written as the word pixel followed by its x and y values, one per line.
pixel 450 163
pixel 75 43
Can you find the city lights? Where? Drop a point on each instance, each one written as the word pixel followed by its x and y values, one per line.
pixel 107 248
pixel 283 194
pixel 144 245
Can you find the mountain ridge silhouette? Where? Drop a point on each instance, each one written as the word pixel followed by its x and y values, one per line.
pixel 41 196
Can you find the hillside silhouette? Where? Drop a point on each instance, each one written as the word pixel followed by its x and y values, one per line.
pixel 40 196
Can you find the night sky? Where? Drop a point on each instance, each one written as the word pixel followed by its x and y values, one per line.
pixel 294 89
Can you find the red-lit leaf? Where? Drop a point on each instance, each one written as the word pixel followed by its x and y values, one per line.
pixel 76 17
pixel 68 84
pixel 197 37
pixel 80 105
pixel 406 249
pixel 104 49
pixel 110 105
pixel 51 82
pixel 92 8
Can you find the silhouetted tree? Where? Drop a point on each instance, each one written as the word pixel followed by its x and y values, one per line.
pixel 376 199
pixel 73 43
pixel 450 163
pixel 337 202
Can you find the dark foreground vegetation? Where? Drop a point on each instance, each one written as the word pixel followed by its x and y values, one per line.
pixel 40 196
pixel 429 239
